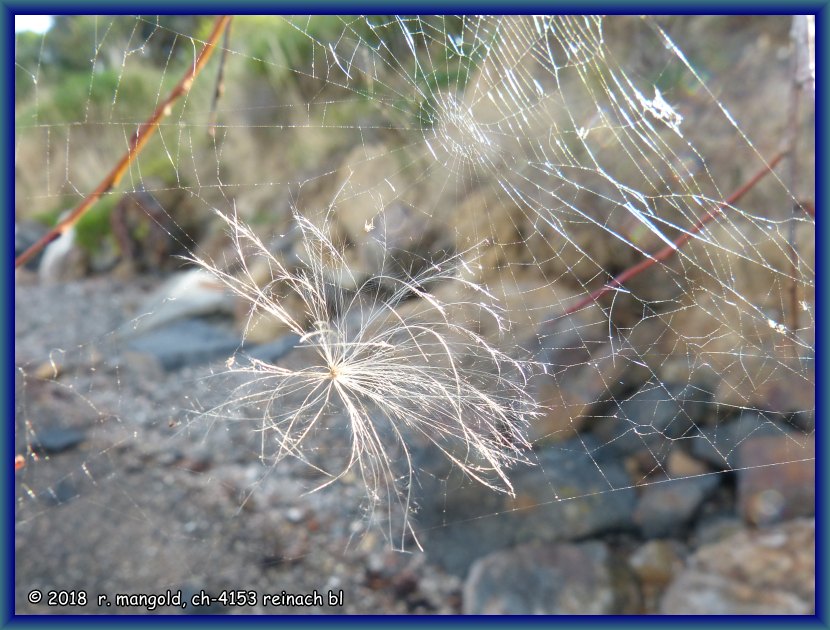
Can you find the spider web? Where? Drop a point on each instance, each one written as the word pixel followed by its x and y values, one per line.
pixel 505 171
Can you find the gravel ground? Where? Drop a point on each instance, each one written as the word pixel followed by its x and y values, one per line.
pixel 152 496
pixel 137 480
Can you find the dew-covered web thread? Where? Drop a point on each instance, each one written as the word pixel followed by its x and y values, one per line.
pixel 429 214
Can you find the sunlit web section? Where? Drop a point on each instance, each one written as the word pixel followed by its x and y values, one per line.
pixel 585 168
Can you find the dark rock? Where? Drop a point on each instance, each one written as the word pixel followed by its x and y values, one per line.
pixel 718 445
pixel 776 478
pixel 665 508
pixel 652 419
pixel 186 342
pixel 104 258
pixel 788 390
pixel 57 440
pixel 566 496
pixel 61 493
pixel 26 234
pixel 754 572
pixel 585 369
pixel 562 579
pixel 804 421
pixel 196 461
pixel 273 351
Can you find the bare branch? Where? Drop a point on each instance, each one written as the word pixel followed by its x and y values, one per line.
pixel 137 143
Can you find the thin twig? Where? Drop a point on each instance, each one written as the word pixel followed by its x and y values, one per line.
pixel 679 242
pixel 145 131
pixel 220 83
pixel 801 47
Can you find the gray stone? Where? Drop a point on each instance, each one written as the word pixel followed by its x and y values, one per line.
pixel 186 342
pixel 665 508
pixel 57 440
pixel 718 445
pixel 585 370
pixel 655 564
pixel 61 493
pixel 273 351
pixel 566 496
pixel 776 478
pixel 184 296
pixel 561 579
pixel 754 572
pixel 652 420
pixel 716 527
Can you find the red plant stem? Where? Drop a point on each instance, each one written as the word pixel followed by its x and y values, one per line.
pixel 137 143
pixel 679 242
pixel 220 83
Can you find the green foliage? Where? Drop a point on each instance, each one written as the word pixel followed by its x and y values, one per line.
pixel 76 96
pixel 76 43
pixel 94 227
pixel 167 38
pixel 76 93
pixel 26 67
pixel 284 47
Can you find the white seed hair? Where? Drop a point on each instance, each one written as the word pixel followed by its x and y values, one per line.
pixel 399 374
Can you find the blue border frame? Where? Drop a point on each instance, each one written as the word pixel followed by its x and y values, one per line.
pixel 822 347
pixel 820 9
pixel 209 7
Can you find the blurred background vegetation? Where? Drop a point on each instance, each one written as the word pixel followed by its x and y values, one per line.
pixel 82 89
